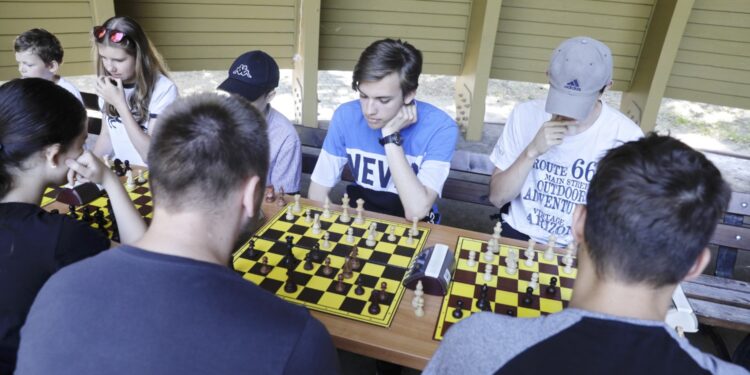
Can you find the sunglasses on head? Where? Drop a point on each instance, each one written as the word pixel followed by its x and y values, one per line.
pixel 115 36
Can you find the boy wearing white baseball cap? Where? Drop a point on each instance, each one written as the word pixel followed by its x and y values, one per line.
pixel 549 150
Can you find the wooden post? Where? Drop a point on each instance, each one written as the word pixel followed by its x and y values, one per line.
pixel 471 85
pixel 305 62
pixel 641 102
pixel 102 10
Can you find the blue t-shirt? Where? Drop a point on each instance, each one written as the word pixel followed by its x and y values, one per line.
pixel 428 146
pixel 138 312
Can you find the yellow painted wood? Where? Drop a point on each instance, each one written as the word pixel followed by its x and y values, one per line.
pixel 573 18
pixel 618 8
pixel 305 72
pixel 215 25
pixel 741 6
pixel 232 2
pixel 722 60
pixel 413 6
pixel 353 55
pixel 711 72
pixel 714 46
pixel 426 68
pixel 724 99
pixel 471 84
pixel 101 10
pixel 566 31
pixel 393 18
pixel 709 85
pixel 548 43
pixel 377 31
pixel 228 39
pixel 642 101
pixel 229 52
pixel 43 11
pixel 360 42
pixel 68 40
pixel 718 32
pixel 54 25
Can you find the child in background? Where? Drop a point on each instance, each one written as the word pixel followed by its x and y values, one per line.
pixel 133 88
pixel 42 130
pixel 39 54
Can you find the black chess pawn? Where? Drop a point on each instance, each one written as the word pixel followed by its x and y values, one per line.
pixel 315 253
pixel 552 288
pixel 127 166
pixel 308 262
pixel 264 268
pixel 72 211
pixel 340 283
pixel 290 286
pixel 251 249
pixel 527 296
pixel 119 170
pixel 458 313
pixel 85 213
pixel 359 290
pixel 374 308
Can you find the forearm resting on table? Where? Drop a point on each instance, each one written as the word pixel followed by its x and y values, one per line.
pixel 416 198
pixel 140 139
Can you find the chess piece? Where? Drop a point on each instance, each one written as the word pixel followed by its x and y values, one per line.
pixel 308 216
pixel 409 240
pixel 359 220
pixel 129 181
pixel 251 249
pixel 529 252
pixel 72 211
pixel 472 259
pixel 383 295
pixel 495 240
pixel 326 209
pixel 127 166
pixel 511 267
pixel 488 255
pixel 458 312
pixel 552 288
pixel 315 253
pixel 264 268
pixel 493 246
pixel 359 290
pixel 391 233
pixel 86 213
pixel 289 214
pixel 308 262
pixel 340 283
pixel 419 310
pixel 354 260
pixel 549 253
pixel 316 225
pixel 326 244
pixel 345 218
pixel 346 269
pixel 141 178
pixel 297 206
pixel 487 272
pixel 289 261
pixel 280 201
pixel 418 293
pixel 350 235
pixel 527 296
pixel 371 236
pixel 270 195
pixel 290 286
pixel 327 270
pixel 374 308
pixel 534 282
pixel 414 229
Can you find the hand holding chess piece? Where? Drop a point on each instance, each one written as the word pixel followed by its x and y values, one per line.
pixel 270 194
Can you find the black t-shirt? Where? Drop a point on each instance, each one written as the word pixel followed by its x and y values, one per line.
pixel 131 311
pixel 34 244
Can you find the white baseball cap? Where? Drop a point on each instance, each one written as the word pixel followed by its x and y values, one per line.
pixel 580 67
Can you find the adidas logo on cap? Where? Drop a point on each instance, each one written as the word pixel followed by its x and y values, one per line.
pixel 242 70
pixel 573 85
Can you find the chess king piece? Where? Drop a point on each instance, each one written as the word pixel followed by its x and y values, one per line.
pixel 129 181
pixel 345 218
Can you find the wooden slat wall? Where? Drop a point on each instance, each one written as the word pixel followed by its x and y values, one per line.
pixel 436 27
pixel 529 29
pixel 201 34
pixel 71 21
pixel 713 62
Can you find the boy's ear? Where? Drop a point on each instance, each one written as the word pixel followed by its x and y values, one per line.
pixel 53 66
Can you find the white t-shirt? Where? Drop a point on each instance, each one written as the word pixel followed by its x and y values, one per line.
pixel 62 82
pixel 165 92
pixel 560 177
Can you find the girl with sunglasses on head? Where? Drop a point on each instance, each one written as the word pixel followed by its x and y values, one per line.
pixel 133 88
pixel 42 131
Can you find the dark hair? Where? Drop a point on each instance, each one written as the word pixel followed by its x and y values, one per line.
pixel 34 113
pixel 204 147
pixel 386 56
pixel 148 64
pixel 41 43
pixel 652 207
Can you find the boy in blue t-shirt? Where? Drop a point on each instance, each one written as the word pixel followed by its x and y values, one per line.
pixel 399 150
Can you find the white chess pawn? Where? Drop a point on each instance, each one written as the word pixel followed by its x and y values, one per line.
pixel 326 209
pixel 534 282
pixel 391 233
pixel 419 311
pixel 308 217
pixel 359 220
pixel 316 224
pixel 549 253
pixel 326 236
pixel 418 293
pixel 414 229
pixel 297 206
pixel 510 266
pixel 409 240
pixel 289 214
pixel 472 259
pixel 529 252
pixel 487 272
pixel 512 254
pixel 141 178
pixel 489 255
pixel 568 262
pixel 129 182
pixel 350 235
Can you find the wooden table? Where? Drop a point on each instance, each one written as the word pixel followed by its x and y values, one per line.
pixel 408 341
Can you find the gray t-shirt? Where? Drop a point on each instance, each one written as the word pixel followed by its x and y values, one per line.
pixel 572 341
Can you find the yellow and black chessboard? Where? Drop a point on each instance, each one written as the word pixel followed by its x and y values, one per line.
pixel 505 292
pixel 387 262
pixel 49 196
pixel 141 197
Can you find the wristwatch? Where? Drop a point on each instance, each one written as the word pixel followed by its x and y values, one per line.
pixel 394 138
